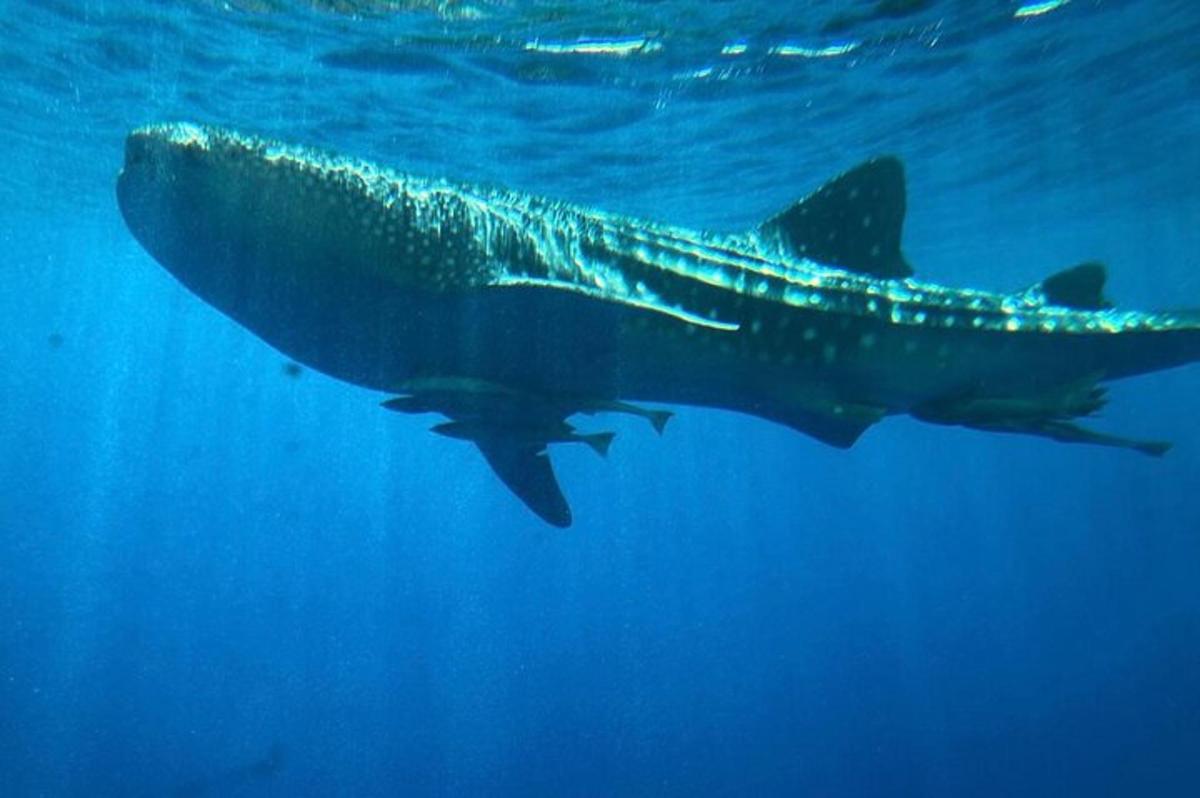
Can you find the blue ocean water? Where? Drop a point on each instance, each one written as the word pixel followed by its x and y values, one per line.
pixel 220 579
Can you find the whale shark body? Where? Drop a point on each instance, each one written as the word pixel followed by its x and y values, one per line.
pixel 509 313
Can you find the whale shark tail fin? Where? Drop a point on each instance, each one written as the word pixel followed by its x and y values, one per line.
pixel 853 222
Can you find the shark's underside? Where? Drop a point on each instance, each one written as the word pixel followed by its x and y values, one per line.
pixel 509 314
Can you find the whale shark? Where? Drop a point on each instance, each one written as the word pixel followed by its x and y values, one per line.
pixel 509 314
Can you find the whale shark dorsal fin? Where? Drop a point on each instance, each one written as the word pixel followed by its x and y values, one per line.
pixel 1080 287
pixel 528 473
pixel 854 221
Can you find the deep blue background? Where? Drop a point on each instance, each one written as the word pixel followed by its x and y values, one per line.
pixel 201 558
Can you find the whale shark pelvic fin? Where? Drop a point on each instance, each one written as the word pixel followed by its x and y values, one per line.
pixel 839 425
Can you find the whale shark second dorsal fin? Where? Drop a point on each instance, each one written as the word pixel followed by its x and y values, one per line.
pixel 854 221
pixel 1080 287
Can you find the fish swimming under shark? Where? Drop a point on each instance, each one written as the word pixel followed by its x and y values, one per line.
pixel 509 313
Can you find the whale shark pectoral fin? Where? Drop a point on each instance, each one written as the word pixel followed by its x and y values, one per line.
pixel 512 431
pixel 854 221
pixel 528 472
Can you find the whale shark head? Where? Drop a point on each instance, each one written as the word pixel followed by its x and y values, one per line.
pixel 216 207
pixel 156 186
pixel 318 255
pixel 193 196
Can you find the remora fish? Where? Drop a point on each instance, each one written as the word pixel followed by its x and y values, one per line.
pixel 508 313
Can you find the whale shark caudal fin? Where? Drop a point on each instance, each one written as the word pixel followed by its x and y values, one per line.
pixel 854 221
